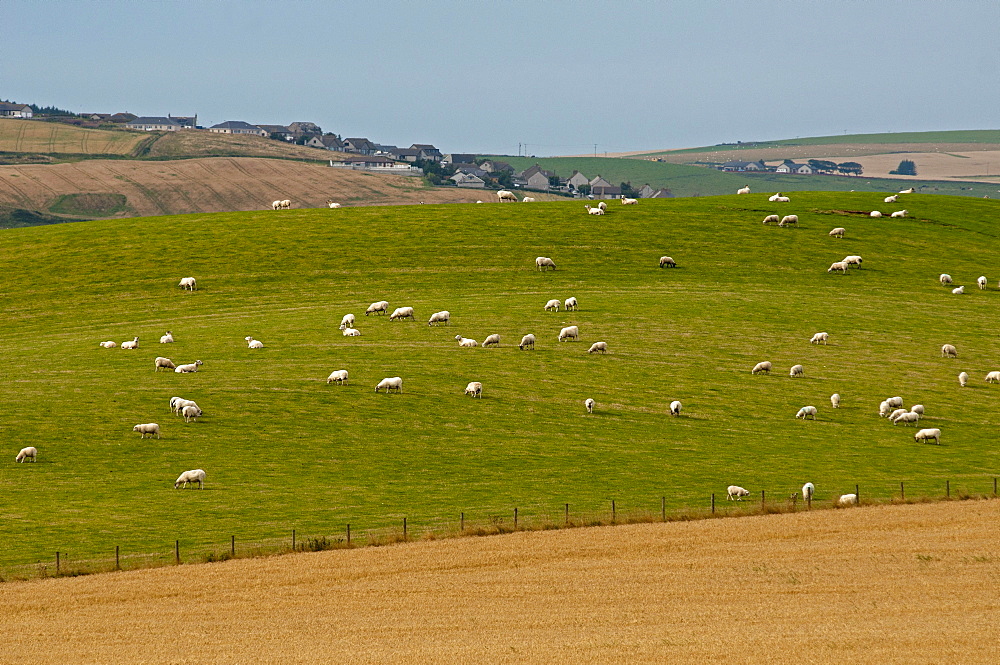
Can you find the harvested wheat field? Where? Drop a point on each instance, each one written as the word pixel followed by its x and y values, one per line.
pixel 890 584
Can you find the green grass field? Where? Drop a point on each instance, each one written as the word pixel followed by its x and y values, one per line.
pixel 283 450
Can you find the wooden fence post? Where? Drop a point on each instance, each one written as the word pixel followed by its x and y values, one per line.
pixel 663 508
pixel 118 565
pixel 515 519
pixel 177 552
pixel 947 489
pixel 348 534
pixel 232 545
pixel 293 540
pixel 902 492
pixel 404 529
pixel 857 493
pixel 614 512
pixel 567 513
pixel 462 522
pixel 762 499
pixel 57 563
pixel 713 503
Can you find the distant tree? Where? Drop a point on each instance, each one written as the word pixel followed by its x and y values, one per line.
pixel 504 179
pixel 49 110
pixel 584 189
pixel 849 168
pixel 906 167
pixel 822 166
pixel 628 190
pixel 554 181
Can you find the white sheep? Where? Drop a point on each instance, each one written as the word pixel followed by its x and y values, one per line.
pixel 594 211
pixel 846 500
pixel 569 332
pixel 188 283
pixel 26 453
pixel 838 265
pixel 466 342
pixel 187 369
pixel 782 199
pixel 332 204
pixel 475 388
pixel 789 219
pixel 402 313
pixel 884 409
pixel 552 305
pixel 963 379
pixel 173 402
pixel 191 413
pixel 276 205
pixel 340 376
pixel 382 306
pixel 807 411
pixel 528 199
pixel 675 408
pixel 351 332
pixel 629 202
pixel 492 340
pixel 347 322
pixel 667 261
pixel 896 414
pixel 853 260
pixel 895 402
pixel 835 400
pixel 981 281
pixel 890 199
pixel 391 383
pixel 993 377
pixel 925 434
pixel 602 205
pixel 797 370
pixel 949 351
pixel 958 290
pixel 505 196
pixel 838 232
pixel 439 317
pixel 191 477
pixel 907 191
pixel 900 214
pixel 570 304
pixel 874 213
pixel 181 403
pixel 165 363
pixel 526 342
pixel 147 428
pixel 167 339
pixel 134 344
pixel 253 343
pixel 917 408
pixel 906 418
pixel 109 344
pixel 774 197
pixel 543 262
pixel 286 204
pixel 764 367
pixel 589 404
pixel 598 346
pixel 808 492
pixel 771 218
pixel 945 278
pixel 819 337
pixel 743 190
pixel 735 493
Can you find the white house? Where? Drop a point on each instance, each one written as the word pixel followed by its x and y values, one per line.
pixel 15 110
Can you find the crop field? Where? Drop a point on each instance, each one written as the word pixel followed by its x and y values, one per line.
pixel 283 450
pixel 34 136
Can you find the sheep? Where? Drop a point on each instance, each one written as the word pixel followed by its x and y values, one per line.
pixel 839 265
pixel 552 306
pixel 188 283
pixel 492 340
pixel 187 369
pixel 286 204
pixel 352 332
pixel 475 388
pixel 835 400
pixel 896 414
pixel 907 191
pixel 895 402
pixel 109 344
pixel 874 213
pixel 949 351
pixel 838 232
pixel 527 341
pixel 906 418
pixel 134 344
pixel 774 197
pixel 347 321
pixel 797 370
pixel 253 343
pixel 629 202
pixel 589 404
pixel 602 205
pixel 505 196
pixel 853 260
pixel 570 304
pixel 340 376
pixel 675 408
pixel 598 346
pixel 993 377
pixel 163 362
pixel 191 477
pixel 543 262
pixel 402 313
pixel 884 409
pixel 891 199
pixel 569 332
pixel 846 500
pixel 174 400
pixel 439 317
pixel 168 338
pixel 179 405
pixel 478 201
pixel 789 219
pixel 764 367
pixel 382 306
pixel 29 452
pixel 917 408
pixel 808 491
pixel 819 337
pixel 275 205
pixel 593 211
pixel 466 342
pixel 771 218
pixel 528 199
pixel 147 428
pixel 899 214
pixel 931 433
pixel 667 261
pixel 807 411
pixel 332 204
pixel 782 199
pixel 945 278
pixel 743 190
pixel 981 281
pixel 391 383
pixel 191 413
pixel 958 290
pixel 963 379
pixel 735 493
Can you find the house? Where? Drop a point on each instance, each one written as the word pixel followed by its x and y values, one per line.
pixel 326 142
pixel 359 146
pixel 602 189
pixel 788 166
pixel 154 124
pixel 491 166
pixel 8 110
pixel 385 149
pixel 237 127
pixel 278 132
pixel 456 158
pixel 185 121
pixel 737 166
pixel 369 161
pixel 469 180
pixel 406 154
pixel 427 152
pixel 577 180
pixel 645 192
pixel 96 116
pixel 663 193
pixel 470 169
pixel 536 177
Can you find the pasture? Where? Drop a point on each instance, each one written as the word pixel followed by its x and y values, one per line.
pixel 284 450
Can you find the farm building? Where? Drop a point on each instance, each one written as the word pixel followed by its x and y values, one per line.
pixel 15 110
pixel 237 127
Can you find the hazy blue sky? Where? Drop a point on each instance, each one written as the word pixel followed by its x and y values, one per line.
pixel 486 76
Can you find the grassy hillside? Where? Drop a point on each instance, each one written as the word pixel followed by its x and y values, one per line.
pixel 184 145
pixel 284 450
pixel 33 136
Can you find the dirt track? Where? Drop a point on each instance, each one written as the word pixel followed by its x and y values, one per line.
pixel 902 584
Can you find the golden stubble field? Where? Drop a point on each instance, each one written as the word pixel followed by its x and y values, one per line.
pixel 891 584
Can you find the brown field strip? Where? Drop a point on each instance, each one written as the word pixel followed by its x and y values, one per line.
pixel 50 137
pixel 889 584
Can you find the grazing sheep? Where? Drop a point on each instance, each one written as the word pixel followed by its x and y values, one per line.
pixel 492 340
pixel 286 204
pixel 835 400
pixel 797 370
pixel 958 290
pixel 275 205
pixel 569 332
pixel 391 383
pixel 819 337
pixel 163 362
pixel 347 321
pixel 846 500
pixel 945 278
pixel 808 492
pixel 949 351
pixel 439 317
pixel 253 343
pixel 505 196
pixel 187 369
pixel 332 204
pixel 191 477
pixel 147 428
pixel 340 376
pixel 771 218
pixel 134 344
pixel 167 339
pixel 191 412
pixel 839 265
pixel 900 214
pixel 382 306
pixel 589 403
pixel 571 304
pixel 993 377
pixel 181 403
pixel 906 418
pixel 594 211
pixel 26 453
pixel 675 408
pixel 528 199
pixel 884 409
pixel 351 332
pixel 735 493
pixel 917 408
pixel 838 232
pixel 464 341
pixel 603 206
pixel 598 346
pixel 402 313
pixel 667 261
pixel 896 414
pixel 789 219
pixel 853 260
pixel 543 262
pixel 552 306
pixel 527 341
pixel 890 199
pixel 925 434
pixel 629 202
pixel 762 367
pixel 109 344
pixel 963 379
pixel 874 213
pixel 743 190
pixel 907 191
pixel 807 411
pixel 895 402
pixel 188 283
pixel 981 281
pixel 475 388
pixel 478 201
